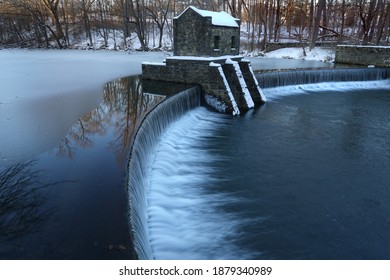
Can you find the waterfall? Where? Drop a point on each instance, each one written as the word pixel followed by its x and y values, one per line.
pixel 141 154
pixel 299 77
pixel 171 215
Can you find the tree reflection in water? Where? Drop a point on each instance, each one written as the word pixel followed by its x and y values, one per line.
pixel 22 195
pixel 85 215
pixel 124 105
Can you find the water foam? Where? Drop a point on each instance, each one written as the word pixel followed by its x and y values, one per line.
pixel 274 93
pixel 140 161
pixel 184 220
pixel 175 208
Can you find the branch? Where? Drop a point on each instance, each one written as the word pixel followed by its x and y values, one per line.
pixel 331 30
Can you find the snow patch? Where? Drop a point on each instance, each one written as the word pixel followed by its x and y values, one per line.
pixel 213 64
pixel 210 58
pixel 365 46
pixel 154 63
pixel 215 103
pixel 320 54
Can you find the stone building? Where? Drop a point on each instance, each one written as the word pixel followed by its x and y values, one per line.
pixel 206 53
pixel 204 33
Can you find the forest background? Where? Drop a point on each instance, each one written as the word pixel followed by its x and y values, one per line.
pixel 147 24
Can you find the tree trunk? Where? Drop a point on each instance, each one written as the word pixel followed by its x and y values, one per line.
pixel 314 35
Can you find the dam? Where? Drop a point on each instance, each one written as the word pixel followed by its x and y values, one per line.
pixel 195 178
pixel 204 185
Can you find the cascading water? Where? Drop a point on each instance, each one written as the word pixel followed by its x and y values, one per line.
pixel 300 77
pixel 148 135
pixel 176 208
pixel 188 215
pixel 278 92
pixel 278 84
pixel 177 201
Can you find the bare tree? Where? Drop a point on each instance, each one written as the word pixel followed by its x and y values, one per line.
pixel 317 19
pixel 367 14
pixel 58 23
pixel 52 6
pixel 158 11
pixel 137 13
pixel 384 20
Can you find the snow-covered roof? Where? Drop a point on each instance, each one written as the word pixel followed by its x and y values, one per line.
pixel 217 18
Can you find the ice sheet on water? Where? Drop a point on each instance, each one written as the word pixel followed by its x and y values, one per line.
pixel 44 92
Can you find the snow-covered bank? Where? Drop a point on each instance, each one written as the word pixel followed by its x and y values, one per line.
pixel 319 54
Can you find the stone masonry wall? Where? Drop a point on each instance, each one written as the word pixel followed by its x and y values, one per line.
pixel 190 34
pixel 191 71
pixel 215 87
pixel 363 55
pixel 225 44
pixel 187 71
pixel 194 35
pixel 250 81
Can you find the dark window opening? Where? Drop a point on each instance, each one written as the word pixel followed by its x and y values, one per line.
pixel 216 42
pixel 233 42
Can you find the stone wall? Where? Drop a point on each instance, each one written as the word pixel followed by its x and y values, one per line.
pixel 215 87
pixel 191 34
pixel 251 81
pixel 363 55
pixel 187 71
pixel 199 72
pixel 226 46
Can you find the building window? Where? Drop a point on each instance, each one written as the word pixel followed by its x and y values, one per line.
pixel 233 43
pixel 217 39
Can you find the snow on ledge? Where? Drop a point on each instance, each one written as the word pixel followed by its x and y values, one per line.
pixel 213 64
pixel 209 58
pixel 154 63
pixel 364 46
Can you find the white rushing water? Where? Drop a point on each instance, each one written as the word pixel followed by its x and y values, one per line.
pixel 278 92
pixel 176 210
pixel 184 220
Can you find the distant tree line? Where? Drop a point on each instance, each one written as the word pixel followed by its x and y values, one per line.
pixel 61 23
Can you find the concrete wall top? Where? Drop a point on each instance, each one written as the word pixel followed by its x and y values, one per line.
pixel 363 55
